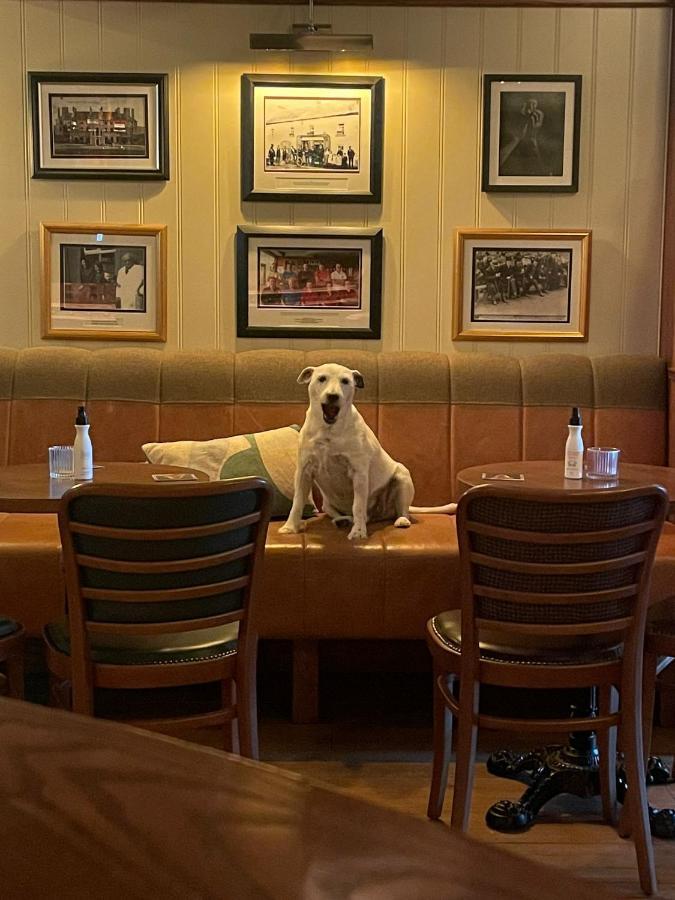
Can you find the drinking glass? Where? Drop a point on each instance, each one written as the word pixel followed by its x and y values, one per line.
pixel 61 462
pixel 602 463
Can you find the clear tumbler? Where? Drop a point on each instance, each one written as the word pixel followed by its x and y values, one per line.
pixel 602 463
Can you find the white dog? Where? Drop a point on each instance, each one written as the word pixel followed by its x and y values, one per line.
pixel 359 481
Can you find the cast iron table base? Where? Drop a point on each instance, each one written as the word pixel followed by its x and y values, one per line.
pixel 571 769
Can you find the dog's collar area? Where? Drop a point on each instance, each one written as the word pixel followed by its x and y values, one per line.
pixel 330 412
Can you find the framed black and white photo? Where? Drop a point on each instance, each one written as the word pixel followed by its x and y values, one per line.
pixel 89 125
pixel 324 283
pixel 521 285
pixel 312 138
pixel 531 132
pixel 105 282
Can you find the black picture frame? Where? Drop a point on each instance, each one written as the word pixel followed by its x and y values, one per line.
pixel 69 143
pixel 344 301
pixel 531 130
pixel 309 160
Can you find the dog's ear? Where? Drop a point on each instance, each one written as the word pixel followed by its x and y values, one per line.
pixel 305 375
pixel 358 378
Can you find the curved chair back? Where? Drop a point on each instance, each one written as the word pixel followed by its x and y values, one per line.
pixel 540 567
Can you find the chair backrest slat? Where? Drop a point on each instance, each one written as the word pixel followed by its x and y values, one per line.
pixel 534 568
pixel 538 537
pixel 524 598
pixel 178 565
pixel 166 595
pixel 134 628
pixel 163 534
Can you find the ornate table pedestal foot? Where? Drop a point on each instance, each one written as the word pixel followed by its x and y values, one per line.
pixel 571 769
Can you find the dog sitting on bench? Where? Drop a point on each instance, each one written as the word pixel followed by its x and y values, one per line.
pixel 338 452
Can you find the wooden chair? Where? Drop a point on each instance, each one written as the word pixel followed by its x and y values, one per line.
pixel 12 639
pixel 555 587
pixel 160 582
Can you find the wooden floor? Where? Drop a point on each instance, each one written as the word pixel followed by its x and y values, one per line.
pixel 391 767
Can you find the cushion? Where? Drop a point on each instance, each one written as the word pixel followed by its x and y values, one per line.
pixel 269 454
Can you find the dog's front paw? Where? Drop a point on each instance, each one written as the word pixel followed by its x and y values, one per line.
pixel 290 528
pixel 402 522
pixel 358 533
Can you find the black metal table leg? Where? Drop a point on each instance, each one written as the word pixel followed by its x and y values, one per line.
pixel 570 769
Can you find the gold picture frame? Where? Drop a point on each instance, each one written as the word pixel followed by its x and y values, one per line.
pixel 103 282
pixel 520 284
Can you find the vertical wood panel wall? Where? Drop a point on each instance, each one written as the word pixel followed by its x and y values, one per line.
pixel 433 61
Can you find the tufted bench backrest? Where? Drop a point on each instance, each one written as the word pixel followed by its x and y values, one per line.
pixel 437 414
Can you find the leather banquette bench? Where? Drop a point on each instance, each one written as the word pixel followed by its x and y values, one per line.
pixel 437 414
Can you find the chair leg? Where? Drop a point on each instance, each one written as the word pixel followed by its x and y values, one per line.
pixel 607 747
pixel 637 789
pixel 465 755
pixel 442 746
pixel 648 699
pixel 231 727
pixel 247 715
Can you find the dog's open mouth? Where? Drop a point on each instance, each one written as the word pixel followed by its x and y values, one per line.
pixel 330 412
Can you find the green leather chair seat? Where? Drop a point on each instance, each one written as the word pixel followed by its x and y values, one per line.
pixel 527 649
pixel 8 626
pixel 211 643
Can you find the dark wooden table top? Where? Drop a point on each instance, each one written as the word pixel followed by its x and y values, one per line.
pixel 93 809
pixel 550 474
pixel 29 489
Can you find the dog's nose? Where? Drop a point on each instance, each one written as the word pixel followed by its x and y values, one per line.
pixel 332 398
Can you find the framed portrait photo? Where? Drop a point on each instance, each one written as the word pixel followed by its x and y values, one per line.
pixel 312 138
pixel 521 285
pixel 299 284
pixel 105 282
pixel 92 125
pixel 531 133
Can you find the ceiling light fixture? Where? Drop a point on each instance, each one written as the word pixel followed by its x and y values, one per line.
pixel 310 36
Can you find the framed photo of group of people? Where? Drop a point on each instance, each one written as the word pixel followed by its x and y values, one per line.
pixel 325 283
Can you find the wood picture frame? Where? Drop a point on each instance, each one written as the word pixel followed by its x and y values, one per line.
pixel 92 125
pixel 531 131
pixel 103 282
pixel 518 284
pixel 295 283
pixel 312 138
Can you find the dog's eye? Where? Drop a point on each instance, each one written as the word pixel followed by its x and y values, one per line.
pixel 321 378
pixel 345 380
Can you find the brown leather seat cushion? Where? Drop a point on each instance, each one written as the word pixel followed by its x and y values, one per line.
pixel 315 584
pixel 320 584
pixel 32 587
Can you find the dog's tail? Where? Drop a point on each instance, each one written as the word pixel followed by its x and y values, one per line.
pixel 449 509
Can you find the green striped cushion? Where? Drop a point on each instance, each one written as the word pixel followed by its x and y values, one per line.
pixel 269 454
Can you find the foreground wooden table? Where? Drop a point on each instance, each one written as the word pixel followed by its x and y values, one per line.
pixel 27 488
pixel 92 809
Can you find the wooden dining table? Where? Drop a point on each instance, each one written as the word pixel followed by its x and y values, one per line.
pixel 28 487
pixel 549 473
pixel 94 809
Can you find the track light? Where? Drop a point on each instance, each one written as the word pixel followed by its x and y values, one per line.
pixel 309 36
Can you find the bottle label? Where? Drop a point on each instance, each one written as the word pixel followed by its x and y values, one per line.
pixel 573 465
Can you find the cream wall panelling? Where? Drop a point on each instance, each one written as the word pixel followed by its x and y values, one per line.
pixel 433 60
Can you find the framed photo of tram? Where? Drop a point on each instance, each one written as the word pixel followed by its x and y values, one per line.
pixel 521 285
pixel 103 282
pixel 531 126
pixel 102 126
pixel 326 283
pixel 315 138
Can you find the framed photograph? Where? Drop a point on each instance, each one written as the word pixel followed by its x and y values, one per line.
pixel 312 138
pixel 91 125
pixel 326 283
pixel 531 133
pixel 105 282
pixel 521 285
